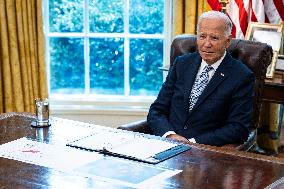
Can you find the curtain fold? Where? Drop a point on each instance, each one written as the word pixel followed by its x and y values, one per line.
pixel 185 15
pixel 22 59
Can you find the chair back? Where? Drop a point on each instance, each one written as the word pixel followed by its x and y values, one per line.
pixel 257 56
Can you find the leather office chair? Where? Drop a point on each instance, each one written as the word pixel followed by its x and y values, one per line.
pixel 257 56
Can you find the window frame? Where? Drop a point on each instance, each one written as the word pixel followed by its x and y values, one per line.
pixel 91 103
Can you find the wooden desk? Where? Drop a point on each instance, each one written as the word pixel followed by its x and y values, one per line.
pixel 202 167
pixel 274 88
pixel 274 92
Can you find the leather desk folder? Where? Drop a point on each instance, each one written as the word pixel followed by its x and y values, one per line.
pixel 130 145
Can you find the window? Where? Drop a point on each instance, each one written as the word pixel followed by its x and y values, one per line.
pixel 106 48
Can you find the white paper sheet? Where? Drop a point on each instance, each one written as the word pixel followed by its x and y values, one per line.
pixel 124 143
pixel 47 155
pixel 143 148
pixel 82 163
pixel 105 140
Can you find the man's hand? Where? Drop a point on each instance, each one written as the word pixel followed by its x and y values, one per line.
pixel 178 138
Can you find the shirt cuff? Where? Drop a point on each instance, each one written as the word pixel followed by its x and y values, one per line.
pixel 168 133
pixel 192 140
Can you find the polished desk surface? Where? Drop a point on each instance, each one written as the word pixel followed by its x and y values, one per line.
pixel 202 166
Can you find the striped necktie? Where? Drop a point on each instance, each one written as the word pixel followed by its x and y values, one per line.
pixel 199 85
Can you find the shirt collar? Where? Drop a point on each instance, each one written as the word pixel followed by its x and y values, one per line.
pixel 214 65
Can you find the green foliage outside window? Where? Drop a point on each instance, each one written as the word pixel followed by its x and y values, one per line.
pixel 106 66
pixel 106 54
pixel 67 65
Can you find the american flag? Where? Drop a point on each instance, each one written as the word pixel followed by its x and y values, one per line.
pixel 241 12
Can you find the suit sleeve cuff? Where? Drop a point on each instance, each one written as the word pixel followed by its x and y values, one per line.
pixel 192 140
pixel 168 133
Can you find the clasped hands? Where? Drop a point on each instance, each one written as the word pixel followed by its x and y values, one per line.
pixel 180 138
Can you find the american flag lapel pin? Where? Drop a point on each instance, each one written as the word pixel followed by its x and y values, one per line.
pixel 222 75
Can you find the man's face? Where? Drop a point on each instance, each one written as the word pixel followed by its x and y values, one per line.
pixel 212 40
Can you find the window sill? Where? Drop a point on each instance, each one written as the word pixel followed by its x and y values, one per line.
pixel 100 105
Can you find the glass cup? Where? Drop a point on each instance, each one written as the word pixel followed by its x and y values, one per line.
pixel 42 112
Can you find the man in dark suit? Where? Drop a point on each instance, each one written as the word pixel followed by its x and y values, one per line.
pixel 208 96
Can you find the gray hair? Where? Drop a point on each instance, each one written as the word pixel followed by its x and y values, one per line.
pixel 218 15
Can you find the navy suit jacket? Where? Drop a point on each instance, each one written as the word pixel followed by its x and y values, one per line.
pixel 222 113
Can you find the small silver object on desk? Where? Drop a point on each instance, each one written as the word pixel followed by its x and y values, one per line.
pixel 42 113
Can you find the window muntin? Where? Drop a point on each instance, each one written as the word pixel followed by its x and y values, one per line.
pixel 130 51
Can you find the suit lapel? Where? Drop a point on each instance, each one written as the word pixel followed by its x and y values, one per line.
pixel 220 75
pixel 191 72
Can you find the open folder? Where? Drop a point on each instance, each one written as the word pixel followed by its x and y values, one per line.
pixel 130 145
